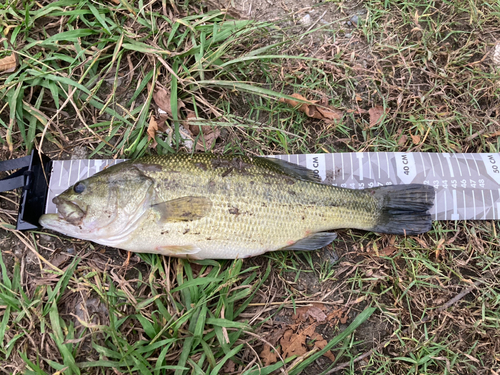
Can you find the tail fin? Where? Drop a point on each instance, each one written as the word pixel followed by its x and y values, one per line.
pixel 405 209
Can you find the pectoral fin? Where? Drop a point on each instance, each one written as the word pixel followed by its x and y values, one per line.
pixel 183 209
pixel 313 242
pixel 178 251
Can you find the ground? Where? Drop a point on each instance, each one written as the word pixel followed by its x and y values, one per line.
pixel 124 79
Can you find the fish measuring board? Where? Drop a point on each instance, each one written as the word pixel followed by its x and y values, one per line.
pixel 467 185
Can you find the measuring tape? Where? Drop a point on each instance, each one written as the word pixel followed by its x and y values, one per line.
pixel 467 185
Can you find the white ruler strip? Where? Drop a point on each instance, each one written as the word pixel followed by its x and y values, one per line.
pixel 467 185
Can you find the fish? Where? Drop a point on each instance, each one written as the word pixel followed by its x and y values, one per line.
pixel 207 206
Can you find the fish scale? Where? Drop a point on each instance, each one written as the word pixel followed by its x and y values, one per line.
pixel 209 206
pixel 266 211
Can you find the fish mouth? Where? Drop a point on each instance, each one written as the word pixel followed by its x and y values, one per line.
pixel 69 211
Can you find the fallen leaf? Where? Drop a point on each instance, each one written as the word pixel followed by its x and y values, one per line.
pixel 387 251
pixel 8 64
pixel 229 367
pixel 195 128
pixel 415 139
pixel 268 355
pixel 162 100
pixel 402 140
pixel 295 343
pixel 209 134
pixel 336 316
pixel 209 138
pixel 375 114
pixel 315 312
pixel 320 343
pixel 152 129
pixel 312 109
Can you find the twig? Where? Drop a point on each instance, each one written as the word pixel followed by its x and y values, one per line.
pixel 441 308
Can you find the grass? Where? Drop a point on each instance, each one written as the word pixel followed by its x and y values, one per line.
pixel 85 80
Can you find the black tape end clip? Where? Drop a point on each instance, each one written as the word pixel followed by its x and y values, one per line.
pixel 33 176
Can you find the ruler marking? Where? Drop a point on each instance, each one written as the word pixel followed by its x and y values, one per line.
pixel 455 215
pixel 484 205
pixel 450 166
pixel 445 207
pixel 69 172
pixel 352 164
pixel 378 163
pixel 342 159
pixel 388 165
pixel 492 203
pixel 359 155
pixel 498 207
pixel 432 165
pixel 60 174
pixel 79 168
pixel 477 167
pixel 465 205
pixel 423 164
pixel 474 203
pixel 88 168
pixel 467 164
pixel 369 166
pixel 334 168
pixel 458 165
pixel 441 165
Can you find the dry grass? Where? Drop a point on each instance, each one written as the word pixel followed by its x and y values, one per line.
pixel 72 307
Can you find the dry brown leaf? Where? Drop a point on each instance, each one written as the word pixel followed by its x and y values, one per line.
pixel 402 140
pixel 8 64
pixel 312 109
pixel 336 316
pixel 152 129
pixel 375 114
pixel 415 139
pixel 268 357
pixel 209 138
pixel 195 128
pixel 387 251
pixel 320 343
pixel 209 134
pixel 329 113
pixel 162 100
pixel 229 367
pixel 295 343
pixel 315 312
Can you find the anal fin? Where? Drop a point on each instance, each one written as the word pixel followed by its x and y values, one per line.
pixel 313 242
pixel 177 251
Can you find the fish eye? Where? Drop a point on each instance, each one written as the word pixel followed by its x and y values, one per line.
pixel 79 188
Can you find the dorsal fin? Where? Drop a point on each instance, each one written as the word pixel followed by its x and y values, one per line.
pixel 290 169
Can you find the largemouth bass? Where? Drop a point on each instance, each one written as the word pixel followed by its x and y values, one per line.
pixel 225 207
